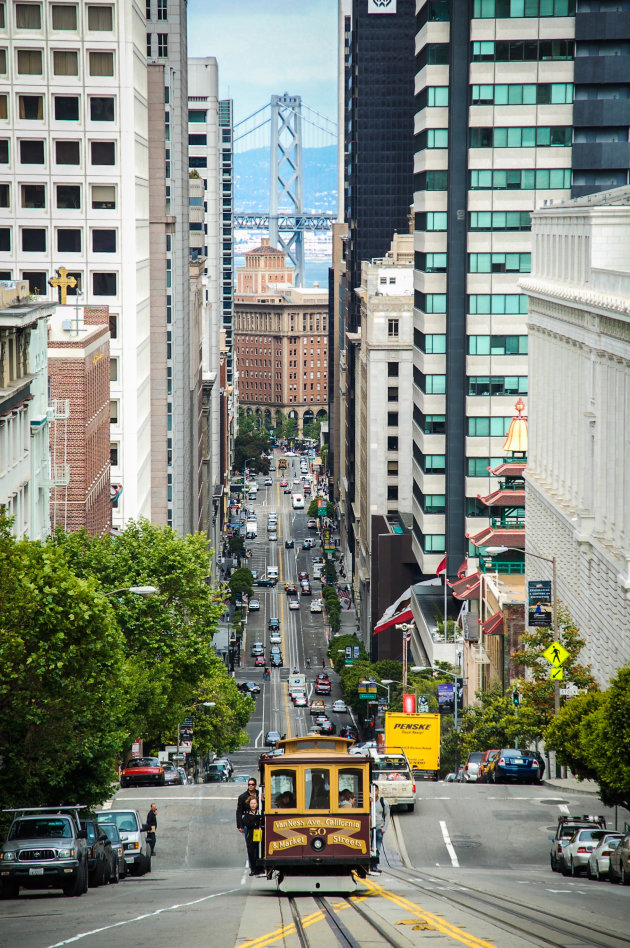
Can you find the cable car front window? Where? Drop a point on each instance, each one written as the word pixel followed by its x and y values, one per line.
pixel 282 786
pixel 317 788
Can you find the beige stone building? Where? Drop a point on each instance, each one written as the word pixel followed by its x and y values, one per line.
pixel 281 340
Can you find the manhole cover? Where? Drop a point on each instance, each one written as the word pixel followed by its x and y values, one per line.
pixel 554 802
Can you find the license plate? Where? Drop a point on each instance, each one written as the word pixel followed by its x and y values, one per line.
pixel 518 760
pixel 36 872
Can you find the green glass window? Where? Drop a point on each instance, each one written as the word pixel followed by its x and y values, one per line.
pixel 434 424
pixel 437 96
pixel 432 262
pixel 494 427
pixel 434 503
pixel 435 343
pixel 435 303
pixel 434 543
pixel 498 304
pixel 499 262
pixel 497 345
pixel 435 384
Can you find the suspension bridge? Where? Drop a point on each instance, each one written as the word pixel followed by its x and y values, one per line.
pixel 286 220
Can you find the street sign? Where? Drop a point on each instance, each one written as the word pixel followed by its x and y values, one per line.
pixel 556 654
pixel 556 674
pixel 570 691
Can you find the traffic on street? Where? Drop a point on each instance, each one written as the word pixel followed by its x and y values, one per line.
pixel 467 862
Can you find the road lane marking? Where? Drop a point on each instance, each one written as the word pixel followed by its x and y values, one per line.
pixel 141 918
pixel 449 846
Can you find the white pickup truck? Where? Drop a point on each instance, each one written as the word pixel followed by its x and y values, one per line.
pixel 392 773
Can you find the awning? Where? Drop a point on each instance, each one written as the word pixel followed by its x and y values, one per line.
pixel 493 625
pixel 399 611
pixel 466 588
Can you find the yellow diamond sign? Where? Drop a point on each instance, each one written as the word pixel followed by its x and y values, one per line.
pixel 556 654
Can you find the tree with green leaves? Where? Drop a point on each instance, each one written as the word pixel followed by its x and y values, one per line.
pixel 241 581
pixel 249 449
pixel 219 729
pixel 66 683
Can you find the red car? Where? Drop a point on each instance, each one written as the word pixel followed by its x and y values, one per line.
pixel 303 575
pixel 322 687
pixel 283 483
pixel 260 661
pixel 142 770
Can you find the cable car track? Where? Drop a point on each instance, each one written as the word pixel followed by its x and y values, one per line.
pixel 329 909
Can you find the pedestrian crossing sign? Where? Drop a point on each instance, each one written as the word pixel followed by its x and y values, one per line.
pixel 556 654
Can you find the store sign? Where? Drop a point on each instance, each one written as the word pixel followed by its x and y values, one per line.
pixel 381 6
pixel 446 698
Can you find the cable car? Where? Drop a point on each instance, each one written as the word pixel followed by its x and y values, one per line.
pixel 316 827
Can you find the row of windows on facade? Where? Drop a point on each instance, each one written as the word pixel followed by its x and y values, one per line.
pixel 63 62
pixel 493 426
pixel 68 240
pixel 102 284
pixel 32 151
pixel 436 504
pixel 503 93
pixel 64 17
pixel 477 262
pixel 437 54
pixel 475 384
pixel 483 221
pixel 498 304
pixel 67 196
pixel 528 136
pixel 65 108
pixel 491 345
pixel 436 463
pixel 439 10
pixel 498 179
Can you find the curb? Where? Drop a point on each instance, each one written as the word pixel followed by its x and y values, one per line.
pixel 570 787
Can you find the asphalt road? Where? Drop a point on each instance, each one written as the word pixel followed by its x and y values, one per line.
pixel 470 866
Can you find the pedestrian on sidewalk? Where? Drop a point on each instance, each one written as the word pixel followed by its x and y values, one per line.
pixel 151 822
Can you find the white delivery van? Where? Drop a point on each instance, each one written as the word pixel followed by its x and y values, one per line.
pixel 298 501
pixel 317 570
pixel 272 572
pixel 251 529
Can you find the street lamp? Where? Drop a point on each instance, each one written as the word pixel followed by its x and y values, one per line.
pixel 144 591
pixel 494 551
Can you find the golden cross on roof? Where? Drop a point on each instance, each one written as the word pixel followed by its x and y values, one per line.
pixel 63 281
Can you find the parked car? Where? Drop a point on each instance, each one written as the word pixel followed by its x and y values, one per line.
pixel 254 605
pixel 182 773
pixel 471 767
pixel 513 764
pixel 171 776
pixel 294 604
pixel 215 773
pixel 599 861
pixel 55 832
pixel 118 851
pixel 100 855
pixel 225 762
pixel 142 770
pixel 619 867
pixel 576 852
pixel 483 775
pixel 567 826
pixel 133 833
pixel 339 706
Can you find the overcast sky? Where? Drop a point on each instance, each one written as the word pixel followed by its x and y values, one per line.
pixel 267 47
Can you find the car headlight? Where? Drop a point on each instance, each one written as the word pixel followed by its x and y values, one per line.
pixel 66 853
pixel 8 856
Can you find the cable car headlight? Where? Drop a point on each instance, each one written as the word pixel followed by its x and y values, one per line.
pixel 318 843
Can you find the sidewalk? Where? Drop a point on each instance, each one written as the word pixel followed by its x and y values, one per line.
pixel 573 785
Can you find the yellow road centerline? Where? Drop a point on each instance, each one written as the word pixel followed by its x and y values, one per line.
pixel 445 927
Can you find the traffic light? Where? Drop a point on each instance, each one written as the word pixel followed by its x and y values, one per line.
pixel 516 698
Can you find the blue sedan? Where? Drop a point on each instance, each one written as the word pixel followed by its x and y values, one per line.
pixel 513 764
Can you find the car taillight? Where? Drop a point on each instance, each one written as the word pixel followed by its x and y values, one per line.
pixel 606 852
pixel 559 847
pixel 414 787
pixel 534 763
pixel 583 849
pixel 466 767
pixel 501 760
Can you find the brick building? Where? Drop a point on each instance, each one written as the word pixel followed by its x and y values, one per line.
pixel 79 373
pixel 281 340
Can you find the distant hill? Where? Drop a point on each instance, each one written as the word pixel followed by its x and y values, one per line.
pixel 319 167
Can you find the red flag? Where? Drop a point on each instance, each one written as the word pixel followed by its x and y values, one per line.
pixel 441 568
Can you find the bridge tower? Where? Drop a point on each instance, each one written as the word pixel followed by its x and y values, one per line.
pixel 286 223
